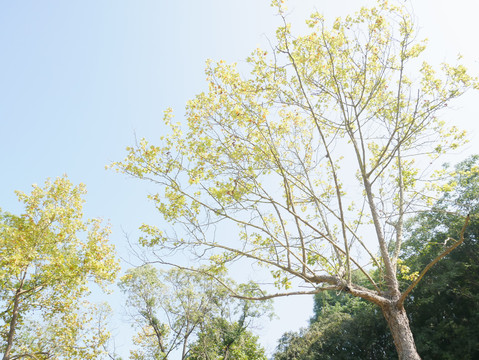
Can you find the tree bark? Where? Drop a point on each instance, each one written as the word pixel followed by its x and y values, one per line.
pixel 398 322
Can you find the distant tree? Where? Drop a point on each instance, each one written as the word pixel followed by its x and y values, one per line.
pixel 179 310
pixel 48 256
pixel 342 327
pixel 313 162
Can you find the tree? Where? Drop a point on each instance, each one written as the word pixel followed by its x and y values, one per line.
pixel 48 255
pixel 443 309
pixel 224 340
pixel 181 310
pixel 344 107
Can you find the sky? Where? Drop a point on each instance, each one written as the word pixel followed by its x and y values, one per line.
pixel 80 80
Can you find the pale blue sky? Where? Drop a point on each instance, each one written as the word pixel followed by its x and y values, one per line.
pixel 78 79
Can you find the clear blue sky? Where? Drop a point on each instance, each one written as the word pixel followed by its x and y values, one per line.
pixel 78 79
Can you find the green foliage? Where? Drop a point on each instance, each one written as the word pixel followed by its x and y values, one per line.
pixel 223 340
pixel 179 310
pixel 48 256
pixel 342 327
pixel 444 308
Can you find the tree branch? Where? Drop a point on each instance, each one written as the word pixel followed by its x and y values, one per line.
pixel 433 262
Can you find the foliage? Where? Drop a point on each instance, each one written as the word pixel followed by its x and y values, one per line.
pixel 343 327
pixel 223 340
pixel 172 309
pixel 444 309
pixel 349 105
pixel 48 256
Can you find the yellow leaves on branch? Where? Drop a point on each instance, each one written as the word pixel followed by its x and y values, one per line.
pixel 351 89
pixel 405 272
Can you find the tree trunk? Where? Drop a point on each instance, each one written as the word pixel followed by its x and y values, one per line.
pixel 13 325
pixel 399 325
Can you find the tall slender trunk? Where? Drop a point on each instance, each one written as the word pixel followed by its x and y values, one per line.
pixel 398 322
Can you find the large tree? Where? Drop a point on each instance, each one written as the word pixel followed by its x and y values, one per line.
pixel 48 256
pixel 310 165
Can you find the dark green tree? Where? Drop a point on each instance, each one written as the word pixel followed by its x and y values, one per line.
pixel 444 308
pixel 342 327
